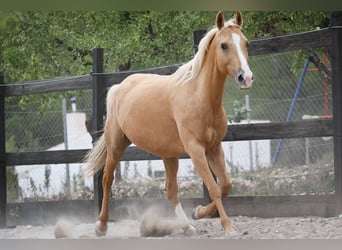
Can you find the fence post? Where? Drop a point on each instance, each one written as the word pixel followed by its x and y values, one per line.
pixel 336 54
pixel 3 185
pixel 198 35
pixel 98 117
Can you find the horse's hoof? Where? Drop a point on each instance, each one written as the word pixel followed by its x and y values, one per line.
pixel 100 230
pixel 232 235
pixel 194 214
pixel 189 230
pixel 99 233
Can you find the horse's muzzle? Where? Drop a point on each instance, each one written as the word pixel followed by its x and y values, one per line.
pixel 245 82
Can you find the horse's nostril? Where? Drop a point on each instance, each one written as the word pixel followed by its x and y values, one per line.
pixel 240 78
pixel 252 78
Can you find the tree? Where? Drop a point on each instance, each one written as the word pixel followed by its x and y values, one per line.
pixel 275 23
pixel 40 45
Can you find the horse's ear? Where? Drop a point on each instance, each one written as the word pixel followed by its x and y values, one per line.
pixel 238 18
pixel 219 20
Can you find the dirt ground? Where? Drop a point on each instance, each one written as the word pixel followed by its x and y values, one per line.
pixel 247 227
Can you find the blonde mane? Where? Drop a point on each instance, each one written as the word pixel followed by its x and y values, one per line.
pixel 191 69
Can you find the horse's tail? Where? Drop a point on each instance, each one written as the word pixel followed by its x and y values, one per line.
pixel 96 157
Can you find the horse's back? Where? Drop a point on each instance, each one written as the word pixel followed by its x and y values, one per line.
pixel 143 91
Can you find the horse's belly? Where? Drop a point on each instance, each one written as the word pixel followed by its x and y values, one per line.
pixel 153 130
pixel 162 149
pixel 161 142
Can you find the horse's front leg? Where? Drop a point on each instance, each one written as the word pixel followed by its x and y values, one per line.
pixel 171 169
pixel 217 164
pixel 199 157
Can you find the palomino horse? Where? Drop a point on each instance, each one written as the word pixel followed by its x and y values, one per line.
pixel 175 115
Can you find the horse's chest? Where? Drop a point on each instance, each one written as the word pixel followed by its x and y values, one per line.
pixel 215 134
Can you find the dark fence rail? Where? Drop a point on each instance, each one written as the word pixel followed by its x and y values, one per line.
pixel 314 205
pixel 307 40
pixel 258 131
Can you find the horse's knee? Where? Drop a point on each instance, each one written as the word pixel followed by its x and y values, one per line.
pixel 215 193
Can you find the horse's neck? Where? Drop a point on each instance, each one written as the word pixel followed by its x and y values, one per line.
pixel 211 84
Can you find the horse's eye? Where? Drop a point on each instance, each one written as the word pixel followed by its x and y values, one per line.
pixel 224 46
pixel 248 43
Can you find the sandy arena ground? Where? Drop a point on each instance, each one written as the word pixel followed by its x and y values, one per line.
pixel 249 228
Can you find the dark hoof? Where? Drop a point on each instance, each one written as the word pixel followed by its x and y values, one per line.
pixel 194 214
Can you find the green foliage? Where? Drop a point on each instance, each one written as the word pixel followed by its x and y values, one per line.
pixel 239 112
pixel 40 45
pixel 277 23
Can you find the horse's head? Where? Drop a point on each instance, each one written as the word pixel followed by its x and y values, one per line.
pixel 231 48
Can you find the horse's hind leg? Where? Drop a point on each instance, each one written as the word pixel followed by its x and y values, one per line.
pixel 116 144
pixel 171 169
pixel 216 162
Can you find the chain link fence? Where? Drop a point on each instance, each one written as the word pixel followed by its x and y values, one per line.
pixel 269 100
